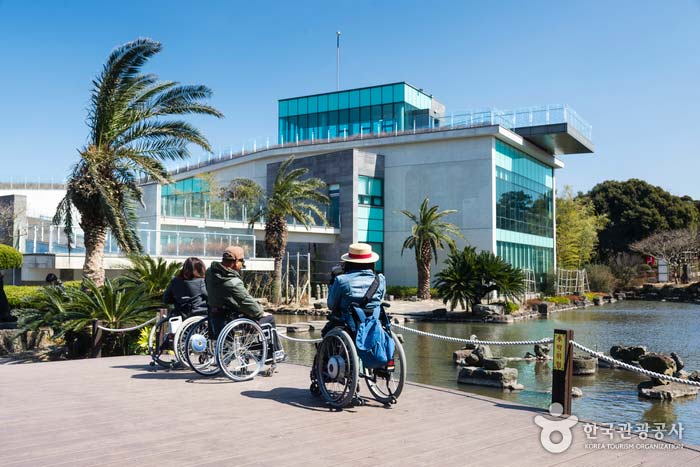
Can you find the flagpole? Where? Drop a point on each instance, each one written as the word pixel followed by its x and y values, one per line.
pixel 337 60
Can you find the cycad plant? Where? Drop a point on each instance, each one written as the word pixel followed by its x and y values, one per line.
pixel 428 234
pixel 294 197
pixel 131 135
pixel 468 277
pixel 153 274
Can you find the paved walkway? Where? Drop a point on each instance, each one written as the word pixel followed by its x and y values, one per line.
pixel 114 411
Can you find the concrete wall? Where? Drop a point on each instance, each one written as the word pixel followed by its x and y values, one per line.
pixel 454 174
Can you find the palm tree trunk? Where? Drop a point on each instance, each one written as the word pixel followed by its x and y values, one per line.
pixel 423 264
pixel 276 246
pixel 95 238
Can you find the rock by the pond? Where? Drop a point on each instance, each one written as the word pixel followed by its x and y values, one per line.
pixel 627 354
pixel 679 361
pixel 471 356
pixel 319 305
pixel 668 391
pixel 484 311
pixel 576 392
pixel 472 359
pixel 658 363
pixel 440 312
pixel 504 379
pixel 494 363
pixel 585 366
pixel 542 350
pixel 694 375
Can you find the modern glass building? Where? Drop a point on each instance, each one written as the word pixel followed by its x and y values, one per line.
pixel 376 109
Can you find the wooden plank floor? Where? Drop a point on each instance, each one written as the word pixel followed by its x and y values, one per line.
pixel 116 412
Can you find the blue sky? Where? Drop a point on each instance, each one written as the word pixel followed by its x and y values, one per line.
pixel 630 68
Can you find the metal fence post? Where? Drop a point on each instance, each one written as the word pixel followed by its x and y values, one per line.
pixel 96 348
pixel 562 371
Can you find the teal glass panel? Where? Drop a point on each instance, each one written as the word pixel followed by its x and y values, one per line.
pixel 302 106
pixel 333 102
pixel 354 99
pixel 399 92
pixel 354 121
pixel 387 94
pixel 365 120
pixel 343 101
pixel 293 107
pixel 374 236
pixel 376 95
pixel 365 97
pixel 283 108
pixel 323 103
pixel 312 104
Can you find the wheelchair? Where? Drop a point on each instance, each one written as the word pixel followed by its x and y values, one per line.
pixel 200 350
pixel 337 369
pixel 245 346
pixel 167 339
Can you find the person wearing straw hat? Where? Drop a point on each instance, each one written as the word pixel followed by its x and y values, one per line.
pixel 352 285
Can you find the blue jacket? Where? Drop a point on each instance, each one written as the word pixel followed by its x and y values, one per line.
pixel 352 287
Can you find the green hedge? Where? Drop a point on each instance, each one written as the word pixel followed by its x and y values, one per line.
pixel 22 296
pixel 557 300
pixel 9 257
pixel 404 291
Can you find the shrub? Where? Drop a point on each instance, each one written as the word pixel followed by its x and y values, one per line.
pixel 9 257
pixel 548 286
pixel 510 308
pixel 600 278
pixel 22 296
pixel 402 291
pixel 557 300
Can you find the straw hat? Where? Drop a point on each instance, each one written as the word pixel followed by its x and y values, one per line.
pixel 360 253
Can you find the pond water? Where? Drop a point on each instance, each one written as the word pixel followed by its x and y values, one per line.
pixel 608 397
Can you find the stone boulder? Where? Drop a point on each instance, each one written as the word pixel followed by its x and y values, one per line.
pixel 542 350
pixel 680 364
pixel 487 311
pixel 627 354
pixel 670 391
pixel 585 366
pixel 694 375
pixel 503 379
pixel 576 392
pixel 471 355
pixel 658 363
pixel 494 363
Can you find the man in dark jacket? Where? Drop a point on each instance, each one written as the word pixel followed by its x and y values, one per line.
pixel 227 293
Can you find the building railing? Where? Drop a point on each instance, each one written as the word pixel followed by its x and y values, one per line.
pixel 47 238
pixel 510 119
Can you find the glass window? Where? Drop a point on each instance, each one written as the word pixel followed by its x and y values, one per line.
pixel 365 97
pixel 343 100
pixel 312 104
pixel 323 103
pixel 365 119
pixel 387 94
pixel 399 92
pixel 354 99
pixel 343 127
pixel 376 95
pixel 333 123
pixel 283 107
pixel 333 101
pixel 354 122
pixel 302 106
pixel 293 107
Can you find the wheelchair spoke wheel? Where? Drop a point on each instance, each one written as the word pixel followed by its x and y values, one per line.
pixel 241 349
pixel 337 368
pixel 385 385
pixel 204 362
pixel 161 344
pixel 181 338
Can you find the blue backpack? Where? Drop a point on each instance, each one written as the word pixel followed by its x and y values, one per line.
pixel 374 343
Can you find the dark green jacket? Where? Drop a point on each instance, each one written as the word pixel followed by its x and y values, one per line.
pixel 226 290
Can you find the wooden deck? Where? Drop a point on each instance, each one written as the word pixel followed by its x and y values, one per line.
pixel 115 411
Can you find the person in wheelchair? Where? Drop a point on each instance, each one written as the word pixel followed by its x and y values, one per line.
pixel 187 290
pixel 351 284
pixel 228 296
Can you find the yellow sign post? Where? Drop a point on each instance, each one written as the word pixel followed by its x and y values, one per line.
pixel 559 351
pixel 562 371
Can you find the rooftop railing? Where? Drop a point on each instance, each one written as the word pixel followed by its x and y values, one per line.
pixel 510 119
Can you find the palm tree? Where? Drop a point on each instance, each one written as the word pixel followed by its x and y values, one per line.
pixel 290 197
pixel 130 137
pixel 153 274
pixel 428 233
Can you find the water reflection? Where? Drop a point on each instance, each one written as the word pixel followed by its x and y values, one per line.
pixel 609 397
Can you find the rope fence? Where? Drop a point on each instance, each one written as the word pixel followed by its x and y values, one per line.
pixel 545 340
pixel 296 339
pixel 133 328
pixel 636 369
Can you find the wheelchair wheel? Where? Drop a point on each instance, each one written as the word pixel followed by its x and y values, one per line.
pixel 337 368
pixel 161 344
pixel 204 362
pixel 386 386
pixel 180 339
pixel 241 349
